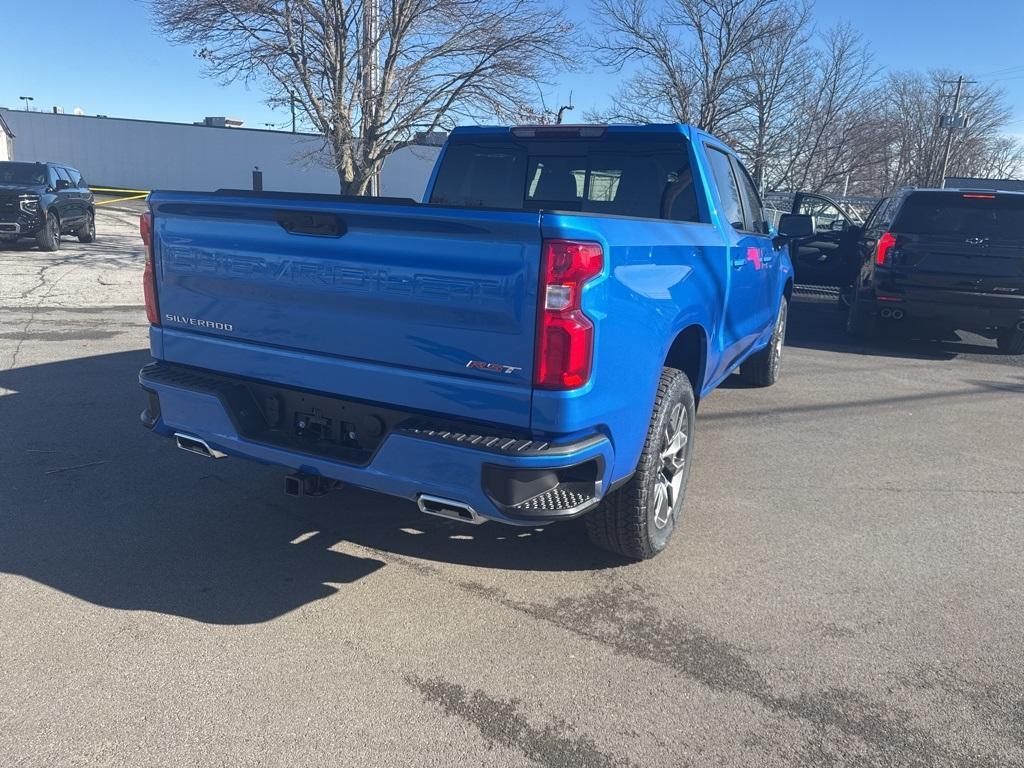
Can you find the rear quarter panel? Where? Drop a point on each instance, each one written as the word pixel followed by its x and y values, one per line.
pixel 659 278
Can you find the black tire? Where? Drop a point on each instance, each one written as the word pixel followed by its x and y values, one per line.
pixel 48 238
pixel 843 299
pixel 87 233
pixel 762 368
pixel 860 320
pixel 1010 341
pixel 637 520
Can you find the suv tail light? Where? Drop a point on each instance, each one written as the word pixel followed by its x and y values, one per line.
pixel 149 273
pixel 883 248
pixel 565 335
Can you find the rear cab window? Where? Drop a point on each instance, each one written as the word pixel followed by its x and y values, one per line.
pixel 648 180
pixel 962 214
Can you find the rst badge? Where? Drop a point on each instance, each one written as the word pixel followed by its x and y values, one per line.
pixel 480 365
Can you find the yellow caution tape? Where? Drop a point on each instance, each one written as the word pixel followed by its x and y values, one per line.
pixel 125 191
pixel 122 199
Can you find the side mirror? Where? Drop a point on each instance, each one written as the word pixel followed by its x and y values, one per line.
pixel 63 184
pixel 793 226
pixel 796 225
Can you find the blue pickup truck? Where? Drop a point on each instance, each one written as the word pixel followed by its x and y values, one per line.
pixel 527 345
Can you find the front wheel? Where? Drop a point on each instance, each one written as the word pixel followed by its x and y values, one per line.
pixel 1011 341
pixel 637 520
pixel 762 368
pixel 48 238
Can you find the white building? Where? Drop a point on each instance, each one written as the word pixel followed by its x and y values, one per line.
pixel 6 141
pixel 146 154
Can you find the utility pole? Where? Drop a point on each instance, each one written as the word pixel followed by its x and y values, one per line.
pixel 953 122
pixel 291 98
pixel 371 74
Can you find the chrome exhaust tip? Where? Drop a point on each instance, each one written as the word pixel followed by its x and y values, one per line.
pixel 897 314
pixel 1020 326
pixel 886 313
pixel 448 508
pixel 194 444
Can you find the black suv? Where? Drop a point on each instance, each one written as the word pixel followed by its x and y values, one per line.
pixel 45 201
pixel 950 258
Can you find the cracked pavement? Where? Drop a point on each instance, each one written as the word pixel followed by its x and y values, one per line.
pixel 845 588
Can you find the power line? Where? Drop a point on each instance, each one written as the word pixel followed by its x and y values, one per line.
pixel 1003 71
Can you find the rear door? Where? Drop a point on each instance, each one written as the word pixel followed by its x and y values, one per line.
pixel 399 287
pixel 960 241
pixel 747 308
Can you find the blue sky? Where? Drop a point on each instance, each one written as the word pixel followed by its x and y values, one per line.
pixel 117 65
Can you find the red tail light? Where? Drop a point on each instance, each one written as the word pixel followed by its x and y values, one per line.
pixel 565 335
pixel 149 273
pixel 883 248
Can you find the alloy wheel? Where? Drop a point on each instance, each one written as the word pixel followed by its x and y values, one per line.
pixel 668 489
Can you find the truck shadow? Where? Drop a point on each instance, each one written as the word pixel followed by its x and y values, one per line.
pixel 816 323
pixel 93 505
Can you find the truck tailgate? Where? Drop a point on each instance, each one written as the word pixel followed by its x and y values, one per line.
pixel 408 291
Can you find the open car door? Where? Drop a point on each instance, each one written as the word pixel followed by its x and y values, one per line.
pixel 830 257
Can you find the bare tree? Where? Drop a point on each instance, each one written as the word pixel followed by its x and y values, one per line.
pixel 369 74
pixel 828 142
pixel 911 108
pixel 780 73
pixel 692 55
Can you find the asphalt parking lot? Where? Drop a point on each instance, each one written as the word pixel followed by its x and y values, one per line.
pixel 846 588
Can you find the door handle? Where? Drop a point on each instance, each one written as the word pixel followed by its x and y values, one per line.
pixel 738 263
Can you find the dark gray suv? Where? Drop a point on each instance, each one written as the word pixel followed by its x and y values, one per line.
pixel 45 201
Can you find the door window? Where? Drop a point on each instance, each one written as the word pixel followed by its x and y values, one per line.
pixel 728 190
pixel 753 219
pixel 826 215
pixel 76 178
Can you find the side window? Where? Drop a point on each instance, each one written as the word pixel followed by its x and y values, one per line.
pixel 827 217
pixel 728 191
pixel 887 212
pixel 754 220
pixel 76 178
pixel 51 176
pixel 62 174
pixel 873 216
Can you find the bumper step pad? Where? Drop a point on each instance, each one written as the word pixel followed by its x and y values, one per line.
pixel 562 498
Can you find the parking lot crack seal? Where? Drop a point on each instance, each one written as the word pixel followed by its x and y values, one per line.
pixel 622 617
pixel 501 722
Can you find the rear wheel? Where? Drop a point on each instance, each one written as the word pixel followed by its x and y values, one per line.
pixel 860 320
pixel 1010 341
pixel 762 368
pixel 48 238
pixel 87 232
pixel 637 520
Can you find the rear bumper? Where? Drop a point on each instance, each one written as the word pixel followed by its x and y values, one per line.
pixel 959 309
pixel 507 478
